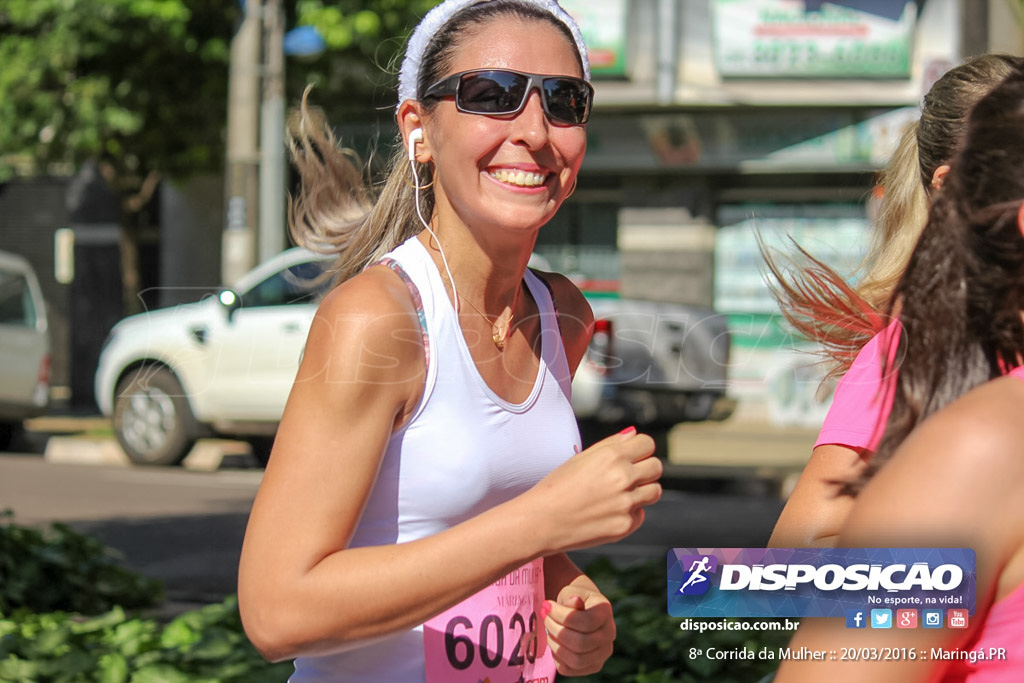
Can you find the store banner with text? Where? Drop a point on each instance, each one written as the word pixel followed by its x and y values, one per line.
pixel 813 39
pixel 603 25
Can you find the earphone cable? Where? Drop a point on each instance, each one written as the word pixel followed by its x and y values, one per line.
pixel 419 214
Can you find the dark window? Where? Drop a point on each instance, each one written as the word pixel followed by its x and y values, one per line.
pixel 16 305
pixel 299 284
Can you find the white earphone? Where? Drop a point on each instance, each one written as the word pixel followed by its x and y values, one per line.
pixel 415 137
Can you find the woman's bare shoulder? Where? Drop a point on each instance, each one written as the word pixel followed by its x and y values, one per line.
pixel 575 318
pixel 376 289
pixel 371 322
pixel 949 476
pixel 567 295
pixel 983 428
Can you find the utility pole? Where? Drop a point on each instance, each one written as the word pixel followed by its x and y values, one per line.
pixel 974 29
pixel 667 51
pixel 271 232
pixel 243 159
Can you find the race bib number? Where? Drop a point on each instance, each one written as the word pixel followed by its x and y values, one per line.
pixel 495 636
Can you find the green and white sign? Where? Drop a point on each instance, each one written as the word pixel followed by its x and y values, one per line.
pixel 807 39
pixel 603 25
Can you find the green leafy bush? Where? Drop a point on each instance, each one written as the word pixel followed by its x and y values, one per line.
pixel 50 578
pixel 58 569
pixel 651 648
pixel 47 576
pixel 201 646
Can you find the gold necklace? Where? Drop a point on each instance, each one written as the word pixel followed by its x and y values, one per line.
pixel 499 330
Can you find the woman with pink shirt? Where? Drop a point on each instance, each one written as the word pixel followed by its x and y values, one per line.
pixel 949 469
pixel 846 320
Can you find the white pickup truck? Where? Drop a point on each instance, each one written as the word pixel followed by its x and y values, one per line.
pixel 223 366
pixel 652 365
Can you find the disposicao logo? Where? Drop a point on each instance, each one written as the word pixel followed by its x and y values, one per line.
pixel 808 582
pixel 696 580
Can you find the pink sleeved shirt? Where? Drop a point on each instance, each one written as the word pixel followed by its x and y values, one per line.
pixel 862 400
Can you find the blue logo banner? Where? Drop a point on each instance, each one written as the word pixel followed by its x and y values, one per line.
pixel 818 582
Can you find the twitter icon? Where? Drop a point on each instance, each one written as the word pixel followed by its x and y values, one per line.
pixel 881 618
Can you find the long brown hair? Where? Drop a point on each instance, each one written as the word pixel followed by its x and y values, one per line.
pixel 335 211
pixel 962 294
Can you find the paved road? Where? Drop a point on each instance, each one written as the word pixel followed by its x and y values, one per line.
pixel 186 528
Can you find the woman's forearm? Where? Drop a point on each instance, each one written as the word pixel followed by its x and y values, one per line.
pixel 361 593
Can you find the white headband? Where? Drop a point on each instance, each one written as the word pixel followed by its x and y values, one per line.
pixel 436 18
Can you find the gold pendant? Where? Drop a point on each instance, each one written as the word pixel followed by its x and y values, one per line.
pixel 499 333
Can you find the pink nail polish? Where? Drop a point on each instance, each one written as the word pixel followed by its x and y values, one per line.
pixel 628 430
pixel 545 609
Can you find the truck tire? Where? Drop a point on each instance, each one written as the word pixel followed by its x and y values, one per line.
pixel 698 407
pixel 261 446
pixel 7 431
pixel 152 419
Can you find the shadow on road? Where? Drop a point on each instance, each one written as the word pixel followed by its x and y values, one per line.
pixel 196 557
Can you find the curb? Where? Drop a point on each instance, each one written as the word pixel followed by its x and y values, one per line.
pixel 82 450
pixel 67 424
pixel 738 450
pixel 208 455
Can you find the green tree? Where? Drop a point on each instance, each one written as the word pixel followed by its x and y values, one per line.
pixel 140 87
pixel 355 80
pixel 357 77
pixel 137 86
pixel 1018 9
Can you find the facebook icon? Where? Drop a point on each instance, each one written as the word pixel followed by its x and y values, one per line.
pixel 855 618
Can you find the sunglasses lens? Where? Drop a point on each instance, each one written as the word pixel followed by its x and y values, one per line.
pixel 492 92
pixel 568 100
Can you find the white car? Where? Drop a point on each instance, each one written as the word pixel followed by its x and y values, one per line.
pixel 224 366
pixel 221 366
pixel 24 346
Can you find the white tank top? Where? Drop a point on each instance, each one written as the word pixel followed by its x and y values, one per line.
pixel 464 450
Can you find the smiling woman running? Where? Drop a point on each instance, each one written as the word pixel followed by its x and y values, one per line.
pixel 426 481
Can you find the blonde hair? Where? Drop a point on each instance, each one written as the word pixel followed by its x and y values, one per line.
pixel 815 299
pixel 901 217
pixel 335 211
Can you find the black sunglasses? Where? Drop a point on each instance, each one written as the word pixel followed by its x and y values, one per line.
pixel 500 92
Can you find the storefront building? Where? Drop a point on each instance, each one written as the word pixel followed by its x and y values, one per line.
pixel 718 118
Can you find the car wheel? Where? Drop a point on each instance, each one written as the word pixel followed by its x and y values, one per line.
pixel 7 430
pixel 152 419
pixel 698 407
